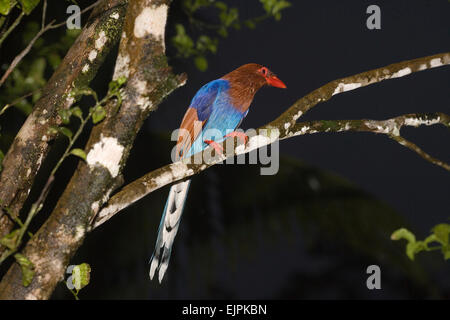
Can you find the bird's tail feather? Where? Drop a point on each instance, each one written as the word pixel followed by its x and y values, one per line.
pixel 168 228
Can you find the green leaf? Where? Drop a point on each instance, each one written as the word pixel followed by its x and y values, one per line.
pixel 429 239
pixel 5 6
pixel 99 114
pixel 66 131
pixel 447 254
pixel 201 63
pixel 250 24
pixel 76 111
pixel 221 5
pixel 52 130
pixel 84 91
pixel 183 42
pixel 28 5
pixel 116 84
pixel 412 248
pixel 81 275
pixel 403 234
pixel 442 231
pixel 65 115
pixel 27 269
pixel 79 153
pixel 10 240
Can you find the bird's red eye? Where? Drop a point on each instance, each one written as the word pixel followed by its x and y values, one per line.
pixel 263 70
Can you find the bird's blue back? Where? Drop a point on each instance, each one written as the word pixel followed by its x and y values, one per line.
pixel 213 104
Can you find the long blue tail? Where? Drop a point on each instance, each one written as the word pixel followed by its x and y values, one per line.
pixel 168 228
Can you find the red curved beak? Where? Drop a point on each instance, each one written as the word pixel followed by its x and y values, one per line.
pixel 275 82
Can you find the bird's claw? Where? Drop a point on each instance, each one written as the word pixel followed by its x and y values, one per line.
pixel 215 145
pixel 240 135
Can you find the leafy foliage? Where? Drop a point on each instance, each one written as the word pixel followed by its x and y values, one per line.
pixel 28 5
pixel 440 235
pixel 32 73
pixel 80 277
pixel 226 17
pixel 27 268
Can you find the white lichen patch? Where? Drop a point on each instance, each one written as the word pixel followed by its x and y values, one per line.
pixel 422 67
pixel 140 86
pixel 122 66
pixel 101 40
pixel 303 130
pixel 69 101
pixel 79 232
pixel 92 55
pixel 85 68
pixel 115 15
pixel 107 153
pixel 151 21
pixel 342 87
pixel 258 141
pixel 401 73
pixel 39 161
pixel 385 127
pixel 143 103
pixel 95 206
pixel 177 170
pixel 436 62
pixel 298 115
pixel 415 122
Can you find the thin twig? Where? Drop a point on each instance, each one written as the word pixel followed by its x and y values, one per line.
pixel 8 105
pixel 44 12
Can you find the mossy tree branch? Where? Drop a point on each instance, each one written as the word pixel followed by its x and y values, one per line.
pixel 149 80
pixel 31 145
pixel 286 126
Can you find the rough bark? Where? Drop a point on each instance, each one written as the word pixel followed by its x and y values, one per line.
pixel 142 59
pixel 31 145
pixel 286 126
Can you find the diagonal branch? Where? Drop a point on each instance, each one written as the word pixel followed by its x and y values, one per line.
pixel 31 145
pixel 142 60
pixel 285 126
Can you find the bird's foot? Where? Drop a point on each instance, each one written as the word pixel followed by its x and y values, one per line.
pixel 215 145
pixel 240 135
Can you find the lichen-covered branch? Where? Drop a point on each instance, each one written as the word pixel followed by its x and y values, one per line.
pixel 142 60
pixel 286 126
pixel 324 93
pixel 31 145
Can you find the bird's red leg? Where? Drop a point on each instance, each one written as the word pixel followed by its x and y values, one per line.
pixel 215 145
pixel 242 136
